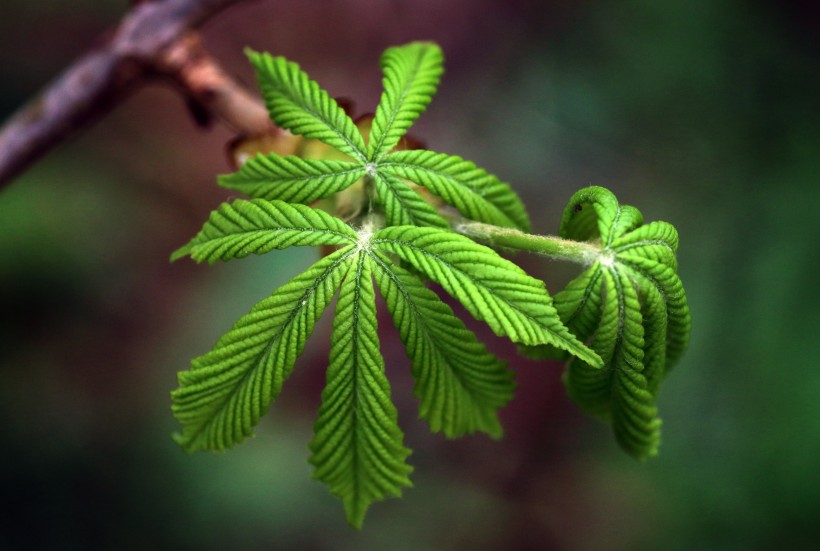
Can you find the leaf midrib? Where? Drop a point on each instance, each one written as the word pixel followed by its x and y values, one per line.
pixel 308 229
pixel 643 243
pixel 588 290
pixel 355 397
pixel 362 156
pixel 279 179
pixel 392 187
pixel 377 153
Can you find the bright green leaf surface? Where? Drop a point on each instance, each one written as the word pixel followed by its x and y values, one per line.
pixel 629 305
pixel 619 392
pixel 492 289
pixel 632 306
pixel 357 447
pixel 411 76
pixel 292 178
pixel 297 103
pixel 474 192
pixel 460 384
pixel 222 396
pixel 403 206
pixel 255 227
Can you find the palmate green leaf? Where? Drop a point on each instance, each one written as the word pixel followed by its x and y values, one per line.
pixel 411 76
pixel 292 178
pixel 630 305
pixel 403 206
pixel 255 227
pixel 492 289
pixel 223 395
pixel 475 193
pixel 647 252
pixel 460 384
pixel 357 447
pixel 297 103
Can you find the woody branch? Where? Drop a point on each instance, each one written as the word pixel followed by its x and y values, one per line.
pixel 156 40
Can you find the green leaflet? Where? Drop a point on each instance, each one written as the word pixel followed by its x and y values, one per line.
pixel 678 319
pixel 292 178
pixel 656 241
pixel 461 386
pixel 255 227
pixel 492 289
pixel 357 447
pixel 297 103
pixel 222 396
pixel 632 306
pixel 411 76
pixel 403 206
pixel 653 311
pixel 475 193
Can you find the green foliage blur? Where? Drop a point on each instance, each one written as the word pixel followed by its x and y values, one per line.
pixel 701 113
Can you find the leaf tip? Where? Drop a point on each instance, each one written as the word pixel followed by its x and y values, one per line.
pixel 495 432
pixel 183 441
pixel 185 250
pixel 355 515
pixel 592 358
pixel 252 54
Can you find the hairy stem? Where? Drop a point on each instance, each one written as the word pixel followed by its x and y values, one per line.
pixel 554 247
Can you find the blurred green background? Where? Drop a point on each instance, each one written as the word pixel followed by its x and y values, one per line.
pixel 704 113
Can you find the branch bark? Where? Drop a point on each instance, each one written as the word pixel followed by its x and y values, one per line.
pixel 154 40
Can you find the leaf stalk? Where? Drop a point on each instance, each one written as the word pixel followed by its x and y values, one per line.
pixel 580 252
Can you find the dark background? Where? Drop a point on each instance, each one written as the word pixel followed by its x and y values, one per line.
pixel 703 113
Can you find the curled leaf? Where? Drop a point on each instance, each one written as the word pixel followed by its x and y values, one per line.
pixel 630 306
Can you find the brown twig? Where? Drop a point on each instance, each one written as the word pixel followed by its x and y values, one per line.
pixel 153 40
pixel 211 89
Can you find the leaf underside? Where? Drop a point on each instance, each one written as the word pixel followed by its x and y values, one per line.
pixel 632 310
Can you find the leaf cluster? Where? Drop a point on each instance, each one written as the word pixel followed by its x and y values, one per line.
pixel 399 242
